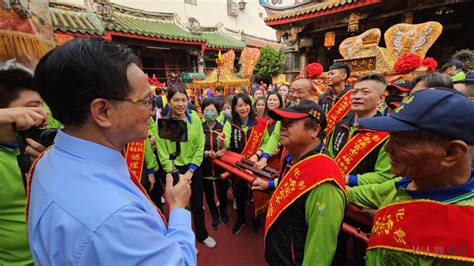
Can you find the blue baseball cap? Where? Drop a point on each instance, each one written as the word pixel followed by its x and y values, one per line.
pixel 437 111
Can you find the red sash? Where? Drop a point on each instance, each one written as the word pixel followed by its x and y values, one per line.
pixel 301 178
pixel 255 139
pixel 135 155
pixel 337 113
pixel 424 227
pixel 357 148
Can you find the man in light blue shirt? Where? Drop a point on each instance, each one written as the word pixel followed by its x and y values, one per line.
pixel 84 208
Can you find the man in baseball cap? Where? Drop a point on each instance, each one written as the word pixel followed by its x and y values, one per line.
pixel 396 91
pixel 466 86
pixel 306 210
pixel 431 208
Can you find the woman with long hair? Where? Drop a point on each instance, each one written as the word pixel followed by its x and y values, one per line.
pixel 190 158
pixel 244 134
pixel 260 107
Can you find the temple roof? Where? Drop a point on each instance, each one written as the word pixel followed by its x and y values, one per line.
pixel 301 12
pixel 74 19
pixel 82 20
pixel 151 28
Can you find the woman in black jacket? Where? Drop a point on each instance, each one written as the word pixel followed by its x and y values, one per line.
pixel 210 172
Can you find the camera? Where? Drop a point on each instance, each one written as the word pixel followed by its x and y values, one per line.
pixel 44 136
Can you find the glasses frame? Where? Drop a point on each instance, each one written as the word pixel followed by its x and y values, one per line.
pixel 150 102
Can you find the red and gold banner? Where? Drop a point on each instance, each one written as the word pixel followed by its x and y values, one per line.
pixel 424 227
pixel 357 148
pixel 255 139
pixel 300 179
pixel 135 155
pixel 337 113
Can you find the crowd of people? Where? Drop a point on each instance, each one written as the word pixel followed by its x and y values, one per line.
pixel 106 192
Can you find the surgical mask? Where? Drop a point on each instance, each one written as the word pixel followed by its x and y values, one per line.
pixel 227 113
pixel 210 115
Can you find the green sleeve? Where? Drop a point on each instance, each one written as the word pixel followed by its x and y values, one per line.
pixel 371 196
pixel 200 141
pixel 163 153
pixel 219 118
pixel 272 143
pixel 324 214
pixel 381 171
pixel 266 136
pixel 330 145
pixel 150 159
pixel 153 128
pixel 228 132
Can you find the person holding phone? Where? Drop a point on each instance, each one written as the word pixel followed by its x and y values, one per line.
pixel 189 160
pixel 244 134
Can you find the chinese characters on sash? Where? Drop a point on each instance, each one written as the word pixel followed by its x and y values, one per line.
pixel 300 179
pixel 424 227
pixel 357 148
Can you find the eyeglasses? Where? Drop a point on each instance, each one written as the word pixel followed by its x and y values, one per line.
pixel 150 103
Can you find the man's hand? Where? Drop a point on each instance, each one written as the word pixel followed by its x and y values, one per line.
pixel 178 195
pixel 23 117
pixel 261 163
pixel 211 154
pixel 220 153
pixel 188 176
pixel 254 158
pixel 221 139
pixel 259 184
pixel 33 149
pixel 151 179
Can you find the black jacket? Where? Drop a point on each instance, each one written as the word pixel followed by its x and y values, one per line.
pixel 207 167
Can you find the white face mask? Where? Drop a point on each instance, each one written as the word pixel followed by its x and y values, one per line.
pixel 227 113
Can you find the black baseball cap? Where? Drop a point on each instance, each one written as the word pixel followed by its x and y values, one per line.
pixel 303 109
pixel 401 85
pixel 438 111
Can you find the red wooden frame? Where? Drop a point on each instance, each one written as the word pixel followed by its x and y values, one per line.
pixel 322 13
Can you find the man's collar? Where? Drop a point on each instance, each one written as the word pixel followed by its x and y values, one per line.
pixel 90 151
pixel 442 195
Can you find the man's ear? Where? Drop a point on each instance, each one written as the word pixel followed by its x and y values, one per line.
pixel 316 131
pixel 100 112
pixel 456 151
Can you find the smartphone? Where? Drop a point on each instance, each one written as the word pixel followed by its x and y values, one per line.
pixel 173 129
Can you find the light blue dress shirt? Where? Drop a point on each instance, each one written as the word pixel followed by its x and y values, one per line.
pixel 85 210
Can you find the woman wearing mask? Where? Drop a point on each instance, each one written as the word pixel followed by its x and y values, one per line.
pixel 260 108
pixel 226 114
pixel 244 134
pixel 190 158
pixel 211 173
